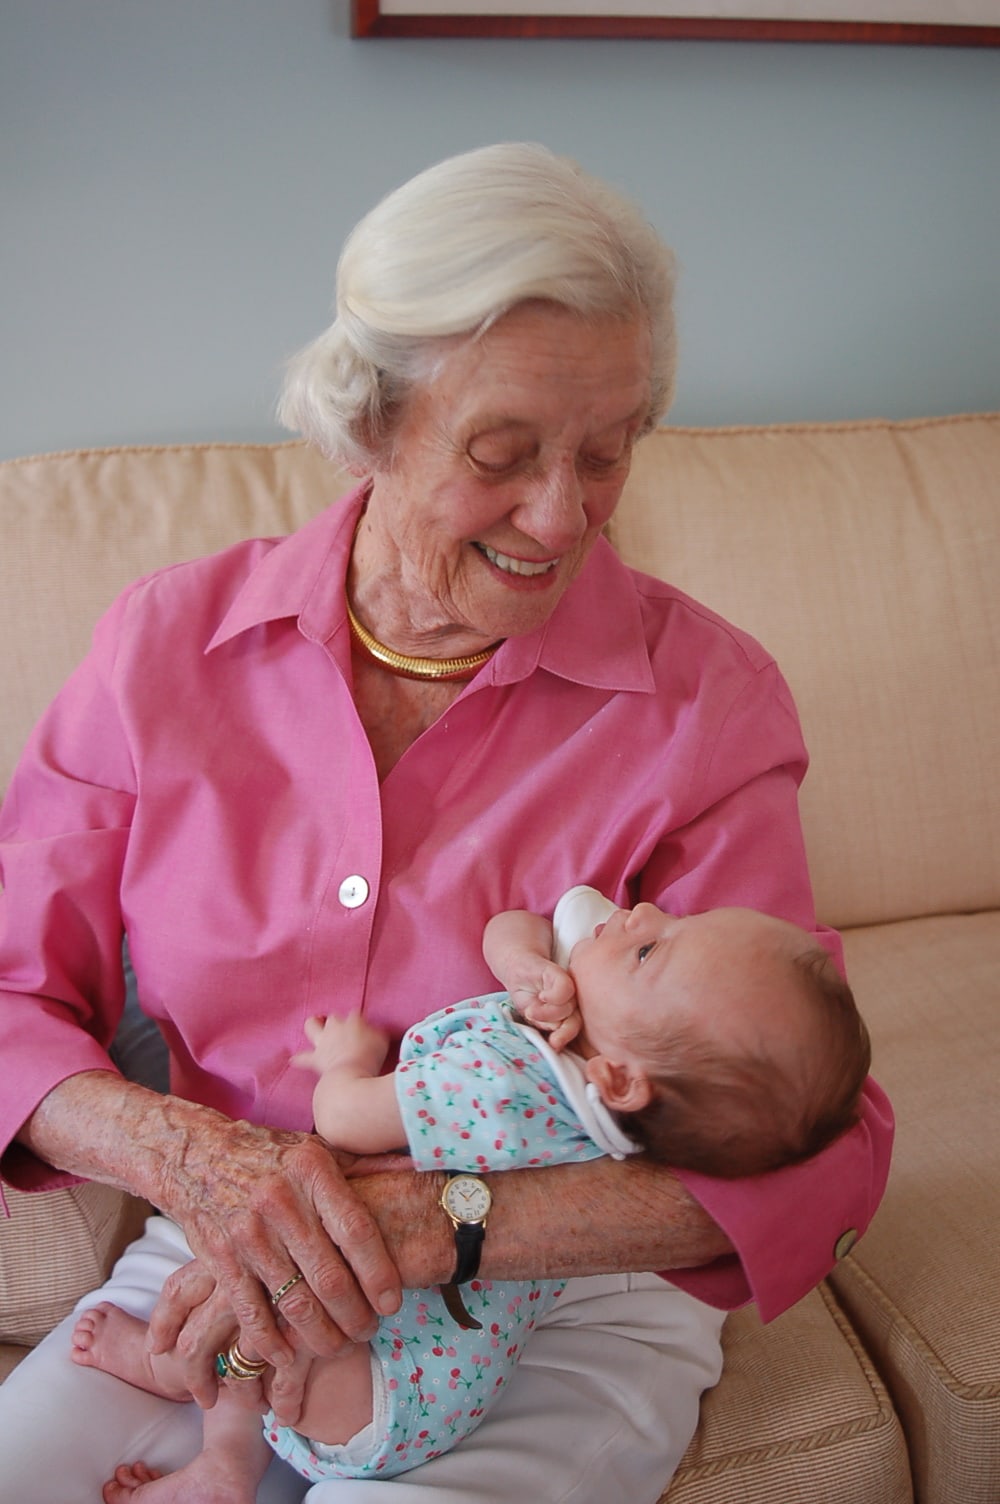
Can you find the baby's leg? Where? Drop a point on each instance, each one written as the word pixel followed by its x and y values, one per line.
pixel 108 1338
pixel 78 1421
pixel 234 1456
pixel 227 1471
pixel 338 1397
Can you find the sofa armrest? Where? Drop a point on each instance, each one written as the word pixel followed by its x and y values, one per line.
pixel 56 1246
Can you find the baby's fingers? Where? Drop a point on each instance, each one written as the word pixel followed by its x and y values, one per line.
pixel 565 1032
pixel 557 990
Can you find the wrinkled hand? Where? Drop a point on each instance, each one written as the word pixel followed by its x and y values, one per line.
pixel 349 1042
pixel 551 1006
pixel 258 1205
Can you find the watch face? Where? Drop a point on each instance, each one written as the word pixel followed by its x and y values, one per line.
pixel 467 1198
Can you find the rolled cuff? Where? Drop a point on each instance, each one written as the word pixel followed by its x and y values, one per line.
pixel 789 1228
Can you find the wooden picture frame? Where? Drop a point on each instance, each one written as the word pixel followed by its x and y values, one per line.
pixel 955 23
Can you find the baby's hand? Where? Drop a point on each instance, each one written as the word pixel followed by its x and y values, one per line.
pixel 552 1006
pixel 344 1044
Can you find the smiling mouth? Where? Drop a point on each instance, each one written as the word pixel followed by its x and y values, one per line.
pixel 510 565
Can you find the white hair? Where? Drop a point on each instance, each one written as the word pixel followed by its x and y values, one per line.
pixel 449 253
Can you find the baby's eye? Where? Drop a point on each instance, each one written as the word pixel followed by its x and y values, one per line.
pixel 644 951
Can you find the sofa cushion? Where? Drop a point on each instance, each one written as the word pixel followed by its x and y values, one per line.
pixel 822 1431
pixel 921 1287
pixel 865 557
pixel 54 1247
pixel 10 1356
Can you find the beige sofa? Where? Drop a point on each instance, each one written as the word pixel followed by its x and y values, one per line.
pixel 867 557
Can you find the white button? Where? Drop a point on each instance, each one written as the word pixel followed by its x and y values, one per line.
pixel 353 892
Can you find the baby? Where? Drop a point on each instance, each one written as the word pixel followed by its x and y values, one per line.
pixel 722 1042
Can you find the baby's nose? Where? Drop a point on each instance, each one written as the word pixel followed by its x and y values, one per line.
pixel 646 911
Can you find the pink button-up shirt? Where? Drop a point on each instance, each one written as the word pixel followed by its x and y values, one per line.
pixel 204 779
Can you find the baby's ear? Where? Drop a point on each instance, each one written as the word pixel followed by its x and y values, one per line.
pixel 621 1087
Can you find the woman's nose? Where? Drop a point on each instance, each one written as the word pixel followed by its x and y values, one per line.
pixel 553 511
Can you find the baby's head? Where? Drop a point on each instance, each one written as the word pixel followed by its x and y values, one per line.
pixel 727 1042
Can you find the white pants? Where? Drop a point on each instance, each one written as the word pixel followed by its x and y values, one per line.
pixel 602 1406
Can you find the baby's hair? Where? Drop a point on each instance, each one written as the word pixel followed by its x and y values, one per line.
pixel 740 1114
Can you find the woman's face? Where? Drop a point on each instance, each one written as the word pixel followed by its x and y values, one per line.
pixel 505 466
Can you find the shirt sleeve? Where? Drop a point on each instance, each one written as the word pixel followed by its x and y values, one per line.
pixel 63 834
pixel 786 1226
pixel 747 848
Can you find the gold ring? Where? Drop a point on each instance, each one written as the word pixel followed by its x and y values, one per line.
pixel 233 1365
pixel 283 1290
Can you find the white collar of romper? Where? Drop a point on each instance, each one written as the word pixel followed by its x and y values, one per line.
pixel 599 1122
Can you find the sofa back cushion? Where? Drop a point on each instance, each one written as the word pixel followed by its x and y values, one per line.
pixel 866 557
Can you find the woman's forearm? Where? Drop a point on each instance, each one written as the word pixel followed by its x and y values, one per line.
pixel 602 1217
pixel 101 1127
pixel 256 1205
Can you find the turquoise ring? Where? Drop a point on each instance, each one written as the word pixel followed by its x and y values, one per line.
pixel 233 1365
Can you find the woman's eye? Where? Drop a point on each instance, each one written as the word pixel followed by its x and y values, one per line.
pixel 610 455
pixel 493 467
pixel 644 951
pixel 495 453
pixel 604 461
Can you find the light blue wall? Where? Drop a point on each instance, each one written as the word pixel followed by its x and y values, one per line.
pixel 176 177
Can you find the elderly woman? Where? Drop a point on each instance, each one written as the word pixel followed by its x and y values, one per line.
pixel 302 774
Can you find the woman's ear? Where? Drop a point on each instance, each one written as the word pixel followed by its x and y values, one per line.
pixel 621 1087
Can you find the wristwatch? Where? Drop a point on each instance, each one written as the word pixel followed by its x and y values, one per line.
pixel 467 1201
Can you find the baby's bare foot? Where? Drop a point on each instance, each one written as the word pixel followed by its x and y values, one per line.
pixel 129 1483
pixel 209 1479
pixel 108 1338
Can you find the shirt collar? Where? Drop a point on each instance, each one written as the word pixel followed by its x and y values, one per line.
pixel 303 575
pixel 594 637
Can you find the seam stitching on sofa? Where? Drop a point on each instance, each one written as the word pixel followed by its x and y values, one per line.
pixel 108 450
pixel 859 425
pixel 902 1326
pixel 884 1417
pixel 844 1325
pixel 819 1440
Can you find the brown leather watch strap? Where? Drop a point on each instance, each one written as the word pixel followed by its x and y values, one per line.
pixel 455 1305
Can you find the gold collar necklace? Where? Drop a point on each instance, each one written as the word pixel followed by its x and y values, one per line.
pixel 405 667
